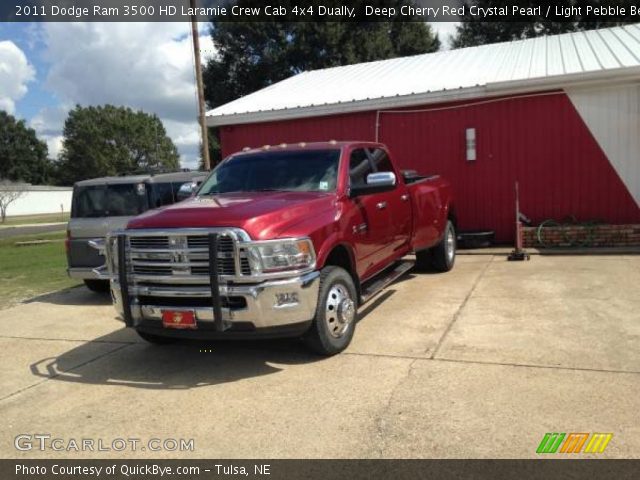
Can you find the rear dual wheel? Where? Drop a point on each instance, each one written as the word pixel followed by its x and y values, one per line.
pixel 442 257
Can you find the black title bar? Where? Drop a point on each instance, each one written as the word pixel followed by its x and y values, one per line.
pixel 317 11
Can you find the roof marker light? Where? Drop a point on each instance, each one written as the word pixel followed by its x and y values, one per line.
pixel 246 149
pixel 283 145
pixel 332 142
pixel 302 144
pixel 266 147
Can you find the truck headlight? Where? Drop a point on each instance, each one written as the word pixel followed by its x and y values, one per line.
pixel 274 256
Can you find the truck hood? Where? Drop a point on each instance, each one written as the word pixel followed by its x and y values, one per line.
pixel 263 215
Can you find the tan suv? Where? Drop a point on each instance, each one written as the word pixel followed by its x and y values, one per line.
pixel 101 205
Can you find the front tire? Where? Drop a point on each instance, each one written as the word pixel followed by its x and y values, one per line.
pixel 336 313
pixel 442 257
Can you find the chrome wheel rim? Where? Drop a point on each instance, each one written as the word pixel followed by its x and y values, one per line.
pixel 450 245
pixel 340 310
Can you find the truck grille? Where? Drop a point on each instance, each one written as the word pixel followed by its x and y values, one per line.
pixel 174 256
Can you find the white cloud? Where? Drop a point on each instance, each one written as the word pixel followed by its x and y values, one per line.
pixel 48 123
pixel 15 73
pixel 147 66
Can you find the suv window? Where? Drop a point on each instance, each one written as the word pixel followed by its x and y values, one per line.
pixel 359 167
pixel 115 200
pixel 162 194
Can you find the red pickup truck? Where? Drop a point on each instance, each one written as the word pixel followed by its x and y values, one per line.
pixel 285 240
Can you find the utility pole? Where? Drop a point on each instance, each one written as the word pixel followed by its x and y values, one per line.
pixel 201 106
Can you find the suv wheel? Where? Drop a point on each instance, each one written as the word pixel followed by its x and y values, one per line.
pixel 98 286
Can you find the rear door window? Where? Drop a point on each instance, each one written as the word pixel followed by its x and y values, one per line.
pixel 359 167
pixel 380 160
pixel 126 199
pixel 163 194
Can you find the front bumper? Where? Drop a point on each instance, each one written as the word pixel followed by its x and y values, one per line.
pixel 87 273
pixel 248 308
pixel 86 259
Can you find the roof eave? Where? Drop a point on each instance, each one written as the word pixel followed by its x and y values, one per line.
pixel 581 79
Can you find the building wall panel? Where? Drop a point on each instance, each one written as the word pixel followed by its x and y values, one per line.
pixel 538 140
pixel 612 115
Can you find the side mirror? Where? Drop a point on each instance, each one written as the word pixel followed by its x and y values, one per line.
pixel 376 183
pixel 186 190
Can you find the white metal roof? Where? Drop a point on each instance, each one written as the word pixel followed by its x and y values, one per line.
pixel 509 67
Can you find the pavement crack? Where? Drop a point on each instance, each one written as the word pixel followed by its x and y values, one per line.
pixel 491 363
pixel 380 419
pixel 460 308
pixel 80 365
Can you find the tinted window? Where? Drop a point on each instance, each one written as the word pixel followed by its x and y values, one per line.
pixel 163 194
pixel 359 167
pixel 115 200
pixel 302 171
pixel 175 187
pixel 89 201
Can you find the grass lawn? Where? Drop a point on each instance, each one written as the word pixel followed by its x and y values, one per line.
pixel 28 271
pixel 43 218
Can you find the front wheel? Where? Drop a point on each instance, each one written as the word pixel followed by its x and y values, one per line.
pixel 336 313
pixel 442 257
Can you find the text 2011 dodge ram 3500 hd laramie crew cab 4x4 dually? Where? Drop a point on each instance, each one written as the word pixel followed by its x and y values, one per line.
pixel 286 240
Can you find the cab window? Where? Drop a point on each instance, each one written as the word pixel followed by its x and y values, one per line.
pixel 359 167
pixel 380 160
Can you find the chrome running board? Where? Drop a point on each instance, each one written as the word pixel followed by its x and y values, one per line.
pixel 378 283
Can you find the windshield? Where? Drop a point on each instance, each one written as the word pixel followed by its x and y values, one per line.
pixel 298 171
pixel 117 200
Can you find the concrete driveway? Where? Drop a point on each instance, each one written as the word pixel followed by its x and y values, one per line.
pixel 479 362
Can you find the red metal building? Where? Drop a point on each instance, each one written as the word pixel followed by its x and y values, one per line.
pixel 560 115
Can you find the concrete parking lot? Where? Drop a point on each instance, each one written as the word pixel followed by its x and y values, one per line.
pixel 479 362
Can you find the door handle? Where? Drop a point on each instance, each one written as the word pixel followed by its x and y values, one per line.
pixel 404 197
pixel 381 205
pixel 360 228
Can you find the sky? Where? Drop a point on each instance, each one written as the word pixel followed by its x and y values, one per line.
pixel 48 68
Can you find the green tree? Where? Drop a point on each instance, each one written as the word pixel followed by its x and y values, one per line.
pixel 253 55
pixel 477 31
pixel 109 140
pixel 23 157
pixel 215 154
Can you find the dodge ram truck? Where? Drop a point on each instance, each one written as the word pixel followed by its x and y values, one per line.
pixel 286 240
